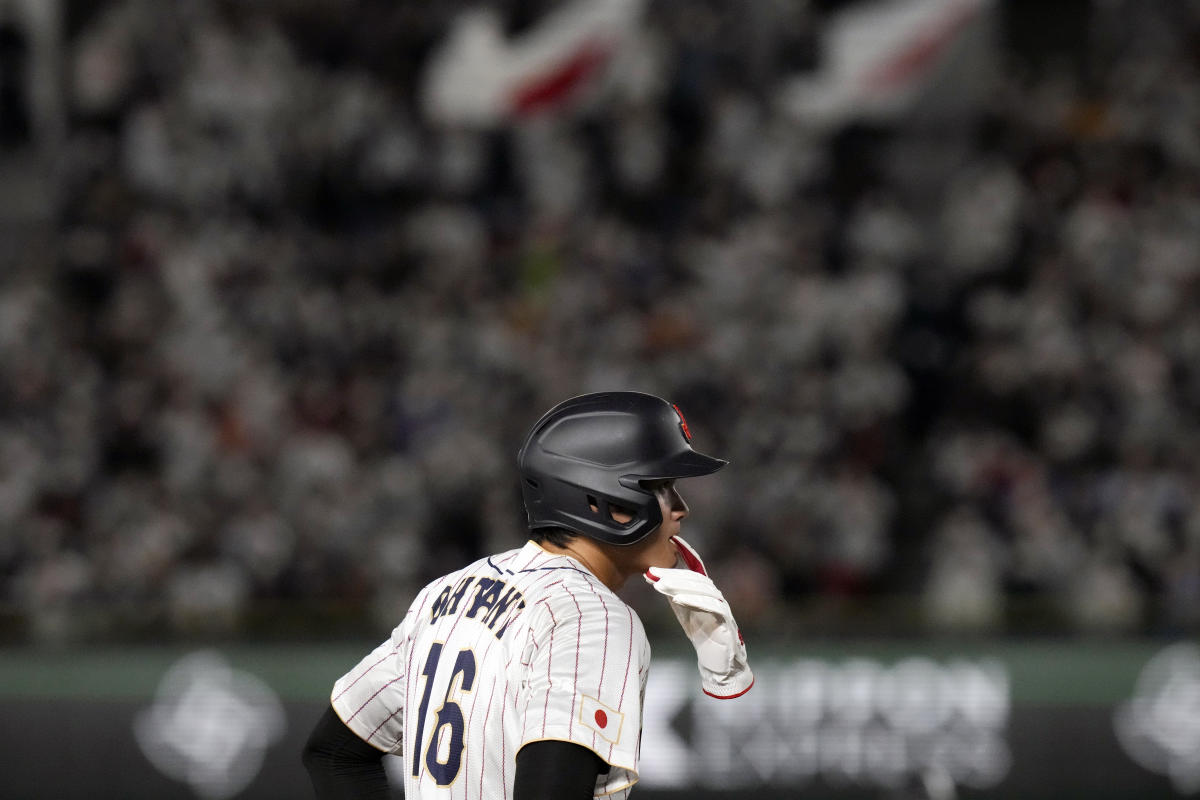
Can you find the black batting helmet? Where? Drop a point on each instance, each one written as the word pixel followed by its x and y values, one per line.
pixel 596 450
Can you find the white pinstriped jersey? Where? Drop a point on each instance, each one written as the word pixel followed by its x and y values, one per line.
pixel 518 647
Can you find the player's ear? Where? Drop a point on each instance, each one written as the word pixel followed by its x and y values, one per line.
pixel 618 514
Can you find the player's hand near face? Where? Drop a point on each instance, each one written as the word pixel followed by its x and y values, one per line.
pixel 708 621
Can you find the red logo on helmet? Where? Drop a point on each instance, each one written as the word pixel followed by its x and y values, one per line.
pixel 683 426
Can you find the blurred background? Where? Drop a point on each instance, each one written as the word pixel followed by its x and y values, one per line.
pixel 284 282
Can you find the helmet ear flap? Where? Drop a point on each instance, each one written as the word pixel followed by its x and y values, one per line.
pixel 624 519
pixel 560 504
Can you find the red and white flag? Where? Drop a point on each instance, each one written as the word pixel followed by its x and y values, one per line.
pixel 879 58
pixel 480 77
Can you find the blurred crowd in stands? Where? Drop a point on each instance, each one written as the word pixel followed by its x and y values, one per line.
pixel 275 373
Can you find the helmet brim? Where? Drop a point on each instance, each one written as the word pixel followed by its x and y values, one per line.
pixel 684 464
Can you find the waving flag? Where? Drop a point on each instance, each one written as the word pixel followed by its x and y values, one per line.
pixel 481 77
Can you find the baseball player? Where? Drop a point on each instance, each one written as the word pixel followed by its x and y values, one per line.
pixel 522 675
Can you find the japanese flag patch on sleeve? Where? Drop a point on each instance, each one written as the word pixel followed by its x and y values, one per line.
pixel 606 721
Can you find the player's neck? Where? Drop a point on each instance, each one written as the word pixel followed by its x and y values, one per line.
pixel 593 558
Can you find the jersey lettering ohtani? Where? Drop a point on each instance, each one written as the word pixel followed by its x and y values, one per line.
pixel 518 647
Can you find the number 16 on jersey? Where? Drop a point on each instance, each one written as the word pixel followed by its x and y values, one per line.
pixel 448 716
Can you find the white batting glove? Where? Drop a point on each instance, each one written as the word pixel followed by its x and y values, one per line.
pixel 706 618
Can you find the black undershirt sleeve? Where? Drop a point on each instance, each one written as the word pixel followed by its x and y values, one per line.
pixel 553 770
pixel 341 765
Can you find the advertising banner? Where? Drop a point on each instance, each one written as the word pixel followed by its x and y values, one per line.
pixel 1005 720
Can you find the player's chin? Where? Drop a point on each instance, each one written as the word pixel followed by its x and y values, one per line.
pixel 665 562
pixel 664 554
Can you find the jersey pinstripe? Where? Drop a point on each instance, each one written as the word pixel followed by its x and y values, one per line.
pixel 515 648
